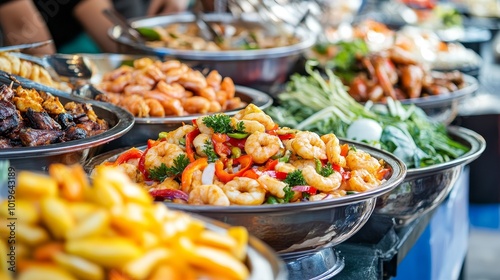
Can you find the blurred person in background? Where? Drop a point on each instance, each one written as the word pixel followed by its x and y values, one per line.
pixel 75 26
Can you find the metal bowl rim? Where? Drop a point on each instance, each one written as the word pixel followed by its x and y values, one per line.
pixel 398 174
pixel 115 33
pixel 124 124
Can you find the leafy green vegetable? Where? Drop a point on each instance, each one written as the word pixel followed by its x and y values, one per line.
pixel 162 172
pixel 312 103
pixel 288 194
pixel 208 149
pixel 295 178
pixel 221 123
pixel 272 200
pixel 326 170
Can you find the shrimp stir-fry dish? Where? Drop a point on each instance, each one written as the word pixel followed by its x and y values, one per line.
pixel 70 228
pixel 152 88
pixel 249 160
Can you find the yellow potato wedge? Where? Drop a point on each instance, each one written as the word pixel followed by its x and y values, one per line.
pixel 35 186
pixel 24 210
pixel 93 225
pixel 80 267
pixel 144 266
pixel 31 235
pixel 45 273
pixel 56 216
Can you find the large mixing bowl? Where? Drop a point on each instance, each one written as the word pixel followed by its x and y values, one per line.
pixel 299 228
pixel 71 152
pixel 425 188
pixel 260 68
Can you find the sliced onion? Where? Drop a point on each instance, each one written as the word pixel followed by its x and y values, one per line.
pixel 328 196
pixel 207 178
pixel 301 188
pixel 168 194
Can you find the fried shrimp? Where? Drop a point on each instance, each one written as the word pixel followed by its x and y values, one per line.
pixel 301 163
pixel 250 126
pixel 199 143
pixel 250 108
pixel 262 118
pixel 262 146
pixel 174 136
pixel 245 191
pixel 362 160
pixel 324 184
pixel 309 145
pixel 162 153
pixel 285 167
pixel 208 195
pixel 333 150
pixel 361 180
pixel 272 185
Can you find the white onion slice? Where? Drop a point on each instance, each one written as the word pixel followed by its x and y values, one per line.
pixel 207 177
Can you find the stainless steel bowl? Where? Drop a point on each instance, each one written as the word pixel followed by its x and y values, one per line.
pixel 71 152
pixel 299 228
pixel 263 68
pixel 444 107
pixel 425 188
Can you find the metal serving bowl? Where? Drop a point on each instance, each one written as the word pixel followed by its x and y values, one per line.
pixel 425 188
pixel 261 68
pixel 71 152
pixel 148 128
pixel 299 228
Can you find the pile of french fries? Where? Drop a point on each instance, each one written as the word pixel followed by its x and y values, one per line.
pixel 67 229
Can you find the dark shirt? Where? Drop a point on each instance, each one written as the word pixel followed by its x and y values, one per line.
pixel 58 14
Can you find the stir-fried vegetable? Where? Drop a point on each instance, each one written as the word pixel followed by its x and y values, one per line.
pixel 323 106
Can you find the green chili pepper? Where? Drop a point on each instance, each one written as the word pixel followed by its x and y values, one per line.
pixel 162 135
pixel 235 152
pixel 286 157
pixel 272 200
pixel 237 135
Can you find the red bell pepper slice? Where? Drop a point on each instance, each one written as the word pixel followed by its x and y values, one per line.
pixel 271 164
pixel 220 148
pixel 187 174
pixel 142 160
pixel 240 143
pixel 250 173
pixel 189 141
pixel 132 153
pixel 169 194
pixel 276 174
pixel 245 162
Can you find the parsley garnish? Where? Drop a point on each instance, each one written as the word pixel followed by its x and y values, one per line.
pixel 162 172
pixel 289 193
pixel 295 178
pixel 221 123
pixel 326 170
pixel 209 151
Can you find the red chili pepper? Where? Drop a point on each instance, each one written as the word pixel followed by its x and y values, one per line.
pixel 194 122
pixel 272 131
pixel 245 162
pixel 240 143
pixel 220 148
pixel 189 140
pixel 132 153
pixel 152 143
pixel 187 174
pixel 286 136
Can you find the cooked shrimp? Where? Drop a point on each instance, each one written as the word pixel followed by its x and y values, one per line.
pixel 169 64
pixel 361 180
pixel 120 71
pixel 324 184
pixel 214 79
pixel 155 108
pixel 262 118
pixel 174 136
pixel 168 183
pixel 272 185
pixel 214 107
pixel 208 194
pixel 196 105
pixel 251 108
pixel 199 143
pixel 333 149
pixel 132 171
pixel 262 146
pixel 330 195
pixel 250 126
pixel 155 73
pixel 193 80
pixel 203 127
pixel 162 153
pixel 221 98
pixel 309 145
pixel 208 93
pixel 245 191
pixel 285 167
pixel 174 74
pixel 195 182
pixel 171 105
pixel 227 85
pixel 136 89
pixel 142 63
pixel 174 90
pixel 362 160
pixel 302 163
pixel 135 105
